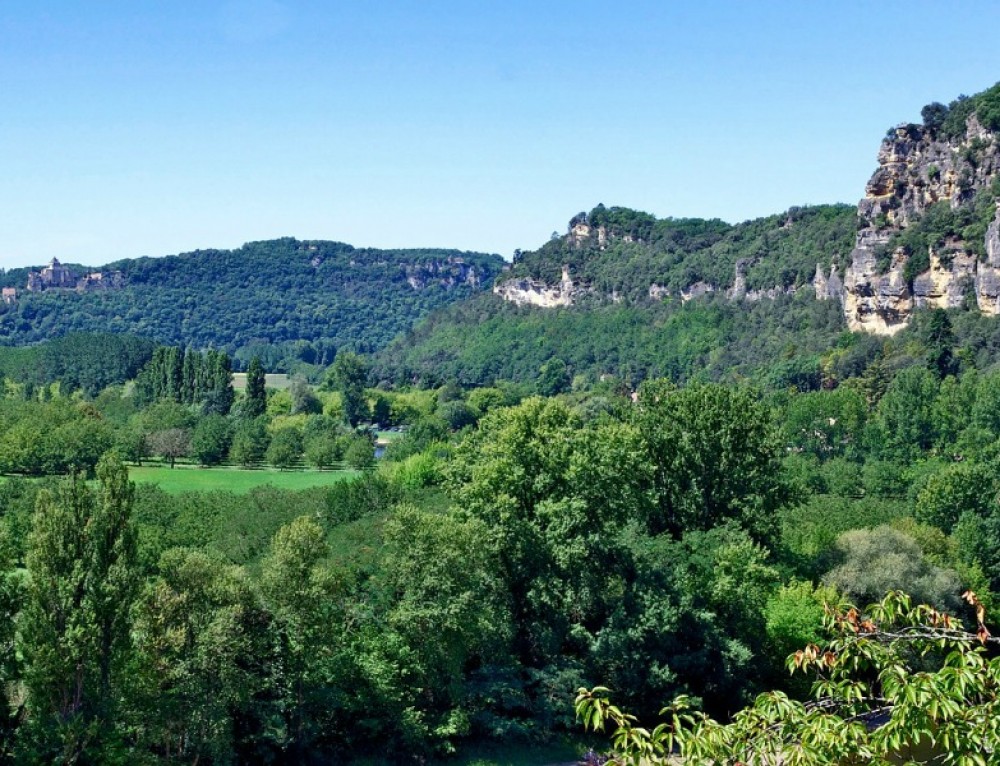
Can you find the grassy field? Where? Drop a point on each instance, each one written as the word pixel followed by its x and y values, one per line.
pixel 275 380
pixel 193 479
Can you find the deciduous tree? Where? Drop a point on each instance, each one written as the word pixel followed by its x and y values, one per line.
pixel 211 439
pixel 255 396
pixel 717 455
pixel 348 375
pixel 170 444
pixel 896 683
pixel 83 579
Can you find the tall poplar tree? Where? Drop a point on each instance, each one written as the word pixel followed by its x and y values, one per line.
pixel 256 395
pixel 174 373
pixel 10 597
pixel 348 375
pixel 189 383
pixel 75 628
pixel 218 395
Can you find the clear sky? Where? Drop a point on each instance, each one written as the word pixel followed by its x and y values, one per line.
pixel 132 127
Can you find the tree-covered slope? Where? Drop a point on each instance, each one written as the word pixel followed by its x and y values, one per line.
pixel 317 295
pixel 487 339
pixel 618 326
pixel 622 251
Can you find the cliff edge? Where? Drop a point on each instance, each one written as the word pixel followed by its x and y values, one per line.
pixel 929 225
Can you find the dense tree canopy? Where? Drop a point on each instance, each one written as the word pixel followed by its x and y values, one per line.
pixel 296 301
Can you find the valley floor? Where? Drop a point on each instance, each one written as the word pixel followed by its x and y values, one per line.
pixel 187 478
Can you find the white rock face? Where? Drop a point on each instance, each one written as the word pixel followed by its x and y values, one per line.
pixel 873 302
pixel 658 292
pixel 532 292
pixel 828 287
pixel 697 290
pixel 944 285
pixel 883 303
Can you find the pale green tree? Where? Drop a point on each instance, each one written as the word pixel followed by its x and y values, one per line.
pixel 871 562
pixel 304 596
pixel 198 640
pixel 83 579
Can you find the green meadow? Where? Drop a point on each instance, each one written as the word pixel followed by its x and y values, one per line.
pixel 276 380
pixel 195 479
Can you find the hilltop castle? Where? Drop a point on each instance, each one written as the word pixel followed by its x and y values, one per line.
pixel 57 276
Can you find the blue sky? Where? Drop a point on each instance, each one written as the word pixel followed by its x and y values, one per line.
pixel 146 128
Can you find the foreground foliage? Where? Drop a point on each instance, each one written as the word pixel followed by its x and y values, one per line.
pixel 895 683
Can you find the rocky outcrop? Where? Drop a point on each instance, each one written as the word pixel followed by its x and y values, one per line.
pixel 769 293
pixel 916 170
pixel 945 285
pixel 697 290
pixel 658 292
pixel 987 282
pixel 828 287
pixel 580 233
pixel 448 273
pixel 873 302
pixel 533 292
pixel 739 289
pixel 525 291
pixel 96 281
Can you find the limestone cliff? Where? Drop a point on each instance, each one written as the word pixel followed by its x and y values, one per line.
pixel 920 168
pixel 619 255
pixel 448 273
pixel 533 292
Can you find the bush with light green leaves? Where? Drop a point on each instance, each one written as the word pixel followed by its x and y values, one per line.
pixel 895 684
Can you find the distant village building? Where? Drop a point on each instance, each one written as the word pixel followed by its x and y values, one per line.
pixel 9 295
pixel 100 280
pixel 57 276
pixel 53 275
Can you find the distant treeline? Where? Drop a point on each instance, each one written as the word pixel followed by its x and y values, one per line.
pixel 86 361
pixel 293 301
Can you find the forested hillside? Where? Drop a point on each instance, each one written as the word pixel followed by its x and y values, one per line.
pixel 622 251
pixel 487 339
pixel 284 299
pixel 631 314
pixel 86 361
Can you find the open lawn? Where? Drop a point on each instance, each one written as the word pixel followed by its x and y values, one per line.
pixel 194 479
pixel 274 380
